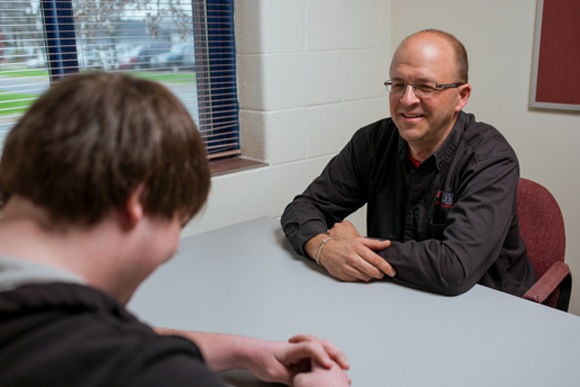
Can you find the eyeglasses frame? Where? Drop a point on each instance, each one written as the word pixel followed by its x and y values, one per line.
pixel 438 87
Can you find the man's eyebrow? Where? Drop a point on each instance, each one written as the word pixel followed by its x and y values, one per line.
pixel 424 80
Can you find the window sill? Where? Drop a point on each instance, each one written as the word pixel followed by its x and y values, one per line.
pixel 233 164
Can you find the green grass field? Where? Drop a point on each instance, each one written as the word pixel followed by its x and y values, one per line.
pixel 17 103
pixel 14 103
pixel 168 77
pixel 160 76
pixel 23 73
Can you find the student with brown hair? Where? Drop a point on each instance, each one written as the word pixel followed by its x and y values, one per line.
pixel 96 181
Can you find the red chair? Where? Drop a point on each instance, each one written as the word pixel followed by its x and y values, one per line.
pixel 542 228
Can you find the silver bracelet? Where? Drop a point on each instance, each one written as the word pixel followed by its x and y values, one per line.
pixel 322 243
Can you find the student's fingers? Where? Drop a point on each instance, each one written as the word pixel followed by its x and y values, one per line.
pixel 336 354
pixel 332 350
pixel 319 376
pixel 298 352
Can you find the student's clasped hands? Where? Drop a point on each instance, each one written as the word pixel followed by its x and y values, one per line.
pixel 303 361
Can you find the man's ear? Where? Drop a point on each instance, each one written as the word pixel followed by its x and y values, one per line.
pixel 464 94
pixel 133 211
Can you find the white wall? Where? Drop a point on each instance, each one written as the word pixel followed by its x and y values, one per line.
pixel 310 72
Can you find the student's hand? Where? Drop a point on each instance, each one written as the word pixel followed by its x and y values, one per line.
pixel 331 353
pixel 270 361
pixel 352 257
pixel 321 377
pixel 283 362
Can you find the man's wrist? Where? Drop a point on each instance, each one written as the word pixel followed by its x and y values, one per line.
pixel 311 246
pixel 320 247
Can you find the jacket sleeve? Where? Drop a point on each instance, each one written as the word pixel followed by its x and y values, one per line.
pixel 170 361
pixel 330 198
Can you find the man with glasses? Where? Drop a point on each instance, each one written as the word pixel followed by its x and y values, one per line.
pixel 440 187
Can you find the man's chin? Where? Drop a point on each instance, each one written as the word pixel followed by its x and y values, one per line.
pixel 411 134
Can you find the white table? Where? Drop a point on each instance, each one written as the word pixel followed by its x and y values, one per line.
pixel 245 279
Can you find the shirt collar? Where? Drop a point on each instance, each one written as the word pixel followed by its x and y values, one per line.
pixel 445 151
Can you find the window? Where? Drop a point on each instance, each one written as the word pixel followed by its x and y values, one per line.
pixel 186 44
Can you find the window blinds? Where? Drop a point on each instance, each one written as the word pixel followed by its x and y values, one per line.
pixel 187 45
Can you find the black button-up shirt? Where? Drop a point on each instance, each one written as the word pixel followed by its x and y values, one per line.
pixel 452 220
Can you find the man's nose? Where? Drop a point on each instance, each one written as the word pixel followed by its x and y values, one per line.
pixel 409 95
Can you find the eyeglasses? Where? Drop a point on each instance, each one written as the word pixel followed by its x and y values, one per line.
pixel 421 89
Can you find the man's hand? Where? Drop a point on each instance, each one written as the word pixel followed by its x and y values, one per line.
pixel 349 256
pixel 344 230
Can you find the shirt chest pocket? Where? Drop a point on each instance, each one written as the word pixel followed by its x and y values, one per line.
pixel 436 229
pixel 437 219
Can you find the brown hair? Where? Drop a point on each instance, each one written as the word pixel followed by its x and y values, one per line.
pixel 86 144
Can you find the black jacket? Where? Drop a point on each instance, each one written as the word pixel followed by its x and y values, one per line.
pixel 64 334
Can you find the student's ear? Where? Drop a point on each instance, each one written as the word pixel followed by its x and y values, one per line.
pixel 133 211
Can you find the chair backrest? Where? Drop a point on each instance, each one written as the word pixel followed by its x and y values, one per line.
pixel 542 228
